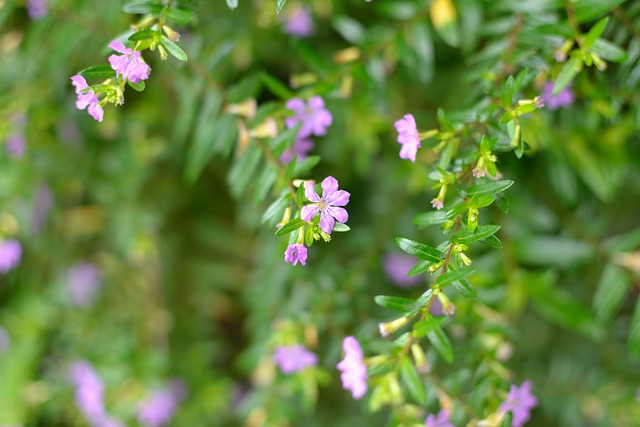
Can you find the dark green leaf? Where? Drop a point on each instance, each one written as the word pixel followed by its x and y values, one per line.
pixel 277 207
pixel 243 169
pixel 179 16
pixel 143 8
pixel 489 188
pixel 493 242
pixel 280 5
pixel 465 288
pixel 482 232
pixel 305 165
pixel 265 181
pixel 426 219
pixel 174 49
pixel 609 51
pixel 633 342
pixel 412 380
pixel 444 121
pixel 613 288
pixel 103 71
pixel 290 226
pixel 422 327
pixel 137 86
pixel 453 275
pixel 594 33
pixel 441 343
pixel 144 35
pixel 420 250
pixel 403 305
pixel 275 86
pixel 419 268
pixel 587 10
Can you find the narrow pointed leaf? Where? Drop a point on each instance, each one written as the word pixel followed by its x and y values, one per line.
pixel 412 380
pixel 290 226
pixel 420 250
pixel 441 343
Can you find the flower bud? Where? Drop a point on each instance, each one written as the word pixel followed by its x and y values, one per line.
pixel 245 109
pixel 266 129
pixel 171 34
pixel 447 306
pixel 388 328
pixel 420 359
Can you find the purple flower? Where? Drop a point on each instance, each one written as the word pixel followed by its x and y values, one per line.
pixel 42 205
pixel 83 281
pixel 294 358
pixel 354 371
pixel 397 265
pixel 297 21
pixel 520 402
pixel 4 340
pixel 314 117
pixel 441 420
pixel 295 253
pixel 37 9
pixel 10 254
pixel 16 145
pixel 87 99
pixel 158 409
pixel 408 137
pixel 326 205
pixel 130 65
pixel 89 390
pixel 563 99
pixel 301 147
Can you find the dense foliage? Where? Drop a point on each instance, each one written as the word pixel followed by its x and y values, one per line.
pixel 319 212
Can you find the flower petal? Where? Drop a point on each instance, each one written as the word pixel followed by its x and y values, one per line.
pixel 308 212
pixel 340 214
pixel 118 46
pixel 326 222
pixel 329 186
pixel 296 105
pixel 79 82
pixel 310 192
pixel 339 198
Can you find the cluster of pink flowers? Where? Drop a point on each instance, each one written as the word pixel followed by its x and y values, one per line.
pixel 519 402
pixel 294 358
pixel 314 118
pixel 297 22
pixel 89 395
pixel 408 137
pixel 562 99
pixel 354 371
pixel 87 98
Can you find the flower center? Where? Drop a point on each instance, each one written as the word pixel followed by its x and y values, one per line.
pixel 322 205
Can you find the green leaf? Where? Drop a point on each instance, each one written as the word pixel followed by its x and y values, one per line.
pixel 427 219
pixel 420 250
pixel 143 8
pixel 412 380
pixel 202 147
pixel 275 86
pixel 350 29
pixel 144 35
pixel 137 86
pixel 279 5
pixel 243 169
pixel 465 288
pixel 403 305
pixel 265 181
pixel 489 188
pixel 482 232
pixel 568 72
pixel 444 121
pixel 341 228
pixel 277 207
pixel 441 343
pixel 587 10
pixel 422 327
pixel 305 165
pixel 609 51
pixel 103 71
pixel 594 33
pixel 612 290
pixel 290 226
pixel 493 242
pixel 173 49
pixel 633 343
pixel 453 275
pixel 419 268
pixel 232 4
pixel 179 16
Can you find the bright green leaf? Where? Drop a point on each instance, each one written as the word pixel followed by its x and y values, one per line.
pixel 279 5
pixel 441 343
pixel 290 226
pixel 403 305
pixel 420 250
pixel 568 72
pixel 412 380
pixel 174 49
pixel 103 71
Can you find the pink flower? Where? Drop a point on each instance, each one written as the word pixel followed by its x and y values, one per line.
pixel 327 205
pixel 354 371
pixel 314 117
pixel 563 99
pixel 129 65
pixel 87 99
pixel 519 402
pixel 437 203
pixel 10 254
pixel 83 281
pixel 16 145
pixel 296 253
pixel 37 9
pixel 408 137
pixel 158 409
pixel 301 147
pixel 294 358
pixel 397 265
pixel 4 340
pixel 441 420
pixel 297 21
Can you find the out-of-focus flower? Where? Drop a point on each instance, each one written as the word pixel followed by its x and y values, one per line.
pixel 158 409
pixel 396 266
pixel 37 9
pixel 4 340
pixel 10 254
pixel 327 205
pixel 296 253
pixel 440 420
pixel 41 206
pixel 89 390
pixel 354 371
pixel 87 99
pixel 301 147
pixel 16 145
pixel 130 65
pixel 83 281
pixel 408 137
pixel 519 402
pixel 294 358
pixel 297 22
pixel 315 118
pixel 563 99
